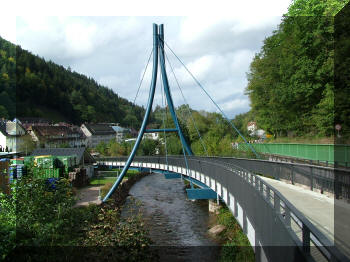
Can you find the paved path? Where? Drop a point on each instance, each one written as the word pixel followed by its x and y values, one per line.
pixel 88 195
pixel 327 214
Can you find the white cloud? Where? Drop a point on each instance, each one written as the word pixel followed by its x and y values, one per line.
pixel 217 49
pixel 8 27
pixel 79 39
pixel 193 27
pixel 236 105
pixel 111 80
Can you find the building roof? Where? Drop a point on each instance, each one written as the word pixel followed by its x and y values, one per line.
pixel 14 128
pixel 120 129
pixel 9 128
pixel 80 152
pixel 33 120
pixel 100 129
pixel 62 131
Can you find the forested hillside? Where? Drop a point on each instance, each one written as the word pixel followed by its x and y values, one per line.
pixel 291 80
pixel 29 85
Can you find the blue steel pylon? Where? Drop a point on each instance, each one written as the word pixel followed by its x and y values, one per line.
pixel 158 51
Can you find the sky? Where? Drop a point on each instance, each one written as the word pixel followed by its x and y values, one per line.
pixel 112 45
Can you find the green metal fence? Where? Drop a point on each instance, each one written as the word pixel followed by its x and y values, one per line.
pixel 325 153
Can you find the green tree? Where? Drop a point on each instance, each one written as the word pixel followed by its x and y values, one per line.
pixel 3 112
pixel 8 104
pixel 290 82
pixel 174 146
pixel 316 7
pixel 28 145
pixel 149 147
pixel 102 148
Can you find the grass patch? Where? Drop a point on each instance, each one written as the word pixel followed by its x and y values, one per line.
pixel 116 172
pixel 109 173
pixel 236 246
pixel 102 180
pixel 105 189
pixel 131 173
pixel 107 182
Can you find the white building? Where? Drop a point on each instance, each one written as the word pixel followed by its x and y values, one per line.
pixel 153 136
pixel 11 136
pixel 251 127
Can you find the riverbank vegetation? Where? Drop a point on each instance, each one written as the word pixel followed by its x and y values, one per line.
pixel 236 246
pixel 108 181
pixel 38 223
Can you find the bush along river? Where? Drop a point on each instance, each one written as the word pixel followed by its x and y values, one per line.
pixel 179 227
pixel 148 218
pixel 44 225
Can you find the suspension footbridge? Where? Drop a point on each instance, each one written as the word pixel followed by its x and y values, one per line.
pixel 265 197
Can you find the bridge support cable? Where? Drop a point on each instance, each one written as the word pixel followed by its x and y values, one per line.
pixel 188 108
pixel 164 126
pixel 138 90
pixel 158 53
pixel 216 105
pixel 186 162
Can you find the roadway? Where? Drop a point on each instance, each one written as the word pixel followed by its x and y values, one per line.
pixel 330 216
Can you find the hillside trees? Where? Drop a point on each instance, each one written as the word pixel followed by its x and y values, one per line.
pixel 290 83
pixel 342 70
pixel 29 86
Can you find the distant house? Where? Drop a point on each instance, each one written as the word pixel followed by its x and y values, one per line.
pixel 121 132
pixel 27 122
pixel 84 159
pixel 97 133
pixel 254 131
pixel 251 127
pixel 11 136
pixel 56 136
pixel 153 136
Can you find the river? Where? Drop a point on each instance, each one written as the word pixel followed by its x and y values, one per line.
pixel 177 226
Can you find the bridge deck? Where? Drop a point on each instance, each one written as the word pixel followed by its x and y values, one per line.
pixel 327 214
